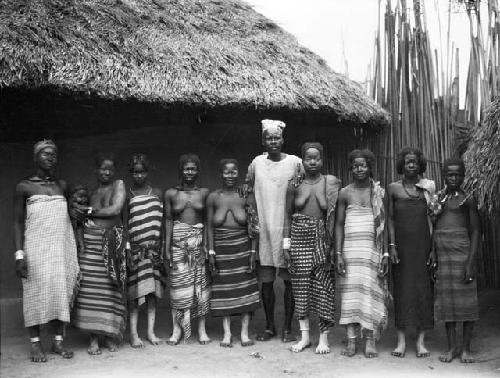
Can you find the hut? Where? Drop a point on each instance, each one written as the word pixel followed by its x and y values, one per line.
pixel 163 77
pixel 482 160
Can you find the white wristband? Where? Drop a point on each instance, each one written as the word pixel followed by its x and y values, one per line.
pixel 386 254
pixel 211 252
pixel 90 210
pixel 286 243
pixel 19 254
pixel 127 245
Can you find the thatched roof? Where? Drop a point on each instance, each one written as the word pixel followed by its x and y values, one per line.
pixel 192 52
pixel 482 160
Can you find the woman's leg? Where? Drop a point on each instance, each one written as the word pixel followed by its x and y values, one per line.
pixel 245 338
pixel 467 338
pixel 401 347
pixel 93 348
pixel 227 339
pixel 451 334
pixel 37 354
pixel 151 303
pixel 350 349
pixel 202 332
pixel 135 340
pixel 176 330
pixel 304 341
pixel 57 345
pixel 370 345
pixel 421 349
pixel 323 346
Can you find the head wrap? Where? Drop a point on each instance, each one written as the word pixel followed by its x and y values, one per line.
pixel 308 145
pixel 271 125
pixel 44 143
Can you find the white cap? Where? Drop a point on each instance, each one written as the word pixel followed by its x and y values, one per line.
pixel 271 125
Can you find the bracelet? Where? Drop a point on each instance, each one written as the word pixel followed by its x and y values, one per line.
pixel 252 251
pixel 127 245
pixel 90 210
pixel 19 254
pixel 386 254
pixel 392 245
pixel 286 243
pixel 211 252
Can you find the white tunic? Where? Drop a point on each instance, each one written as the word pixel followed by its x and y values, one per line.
pixel 270 180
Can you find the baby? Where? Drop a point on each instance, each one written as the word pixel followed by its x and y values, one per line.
pixel 78 197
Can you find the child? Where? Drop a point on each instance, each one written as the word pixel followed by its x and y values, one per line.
pixel 78 197
pixel 456 242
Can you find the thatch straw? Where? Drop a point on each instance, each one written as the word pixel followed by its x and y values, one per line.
pixel 482 160
pixel 189 52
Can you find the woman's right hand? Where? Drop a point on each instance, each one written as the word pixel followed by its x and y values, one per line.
pixel 340 265
pixel 212 265
pixel 394 255
pixel 21 268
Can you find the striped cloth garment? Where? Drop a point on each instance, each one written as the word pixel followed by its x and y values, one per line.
pixel 188 282
pixel 456 300
pixel 51 258
pixel 362 291
pixel 144 226
pixel 313 287
pixel 234 291
pixel 99 306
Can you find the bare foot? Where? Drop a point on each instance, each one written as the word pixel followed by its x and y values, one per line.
pixel 176 337
pixel 227 342
pixel 136 341
pixel 422 352
pixel 449 355
pixel 58 348
pixel 111 345
pixel 370 348
pixel 246 341
pixel 466 358
pixel 154 340
pixel 203 338
pixel 300 346
pixel 37 354
pixel 350 349
pixel 93 348
pixel 399 351
pixel 322 348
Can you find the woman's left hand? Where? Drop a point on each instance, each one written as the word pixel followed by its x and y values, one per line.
pixel 384 267
pixel 470 273
pixel 251 261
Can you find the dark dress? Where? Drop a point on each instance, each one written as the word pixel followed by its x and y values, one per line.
pixel 413 292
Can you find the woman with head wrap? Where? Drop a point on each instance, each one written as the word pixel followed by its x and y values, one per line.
pixel 185 245
pixel 269 175
pixel 46 256
pixel 311 206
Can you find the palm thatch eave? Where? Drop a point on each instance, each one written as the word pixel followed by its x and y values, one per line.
pixel 197 52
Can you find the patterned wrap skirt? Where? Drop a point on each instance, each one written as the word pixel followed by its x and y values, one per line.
pixel 313 286
pixel 234 291
pixel 456 301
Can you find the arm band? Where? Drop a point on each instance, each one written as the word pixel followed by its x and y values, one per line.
pixel 286 243
pixel 211 252
pixel 19 254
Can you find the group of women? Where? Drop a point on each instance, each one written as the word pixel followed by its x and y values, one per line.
pixel 203 245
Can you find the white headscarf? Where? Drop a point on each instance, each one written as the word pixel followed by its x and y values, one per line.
pixel 43 144
pixel 271 125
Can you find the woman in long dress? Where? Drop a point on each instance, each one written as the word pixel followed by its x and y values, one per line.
pixel 410 246
pixel 361 261
pixel 145 269
pixel 235 290
pixel 311 207
pixel 184 210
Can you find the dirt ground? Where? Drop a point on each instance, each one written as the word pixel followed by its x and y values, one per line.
pixel 276 360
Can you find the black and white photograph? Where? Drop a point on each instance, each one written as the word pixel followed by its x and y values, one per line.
pixel 249 188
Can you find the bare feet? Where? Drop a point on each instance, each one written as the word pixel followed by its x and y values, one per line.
pixel 301 345
pixel 466 357
pixel 58 348
pixel 203 338
pixel 247 343
pixel 350 349
pixel 370 348
pixel 322 348
pixel 399 351
pixel 154 340
pixel 136 341
pixel 111 345
pixel 37 354
pixel 93 348
pixel 227 341
pixel 176 336
pixel 449 355
pixel 422 351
